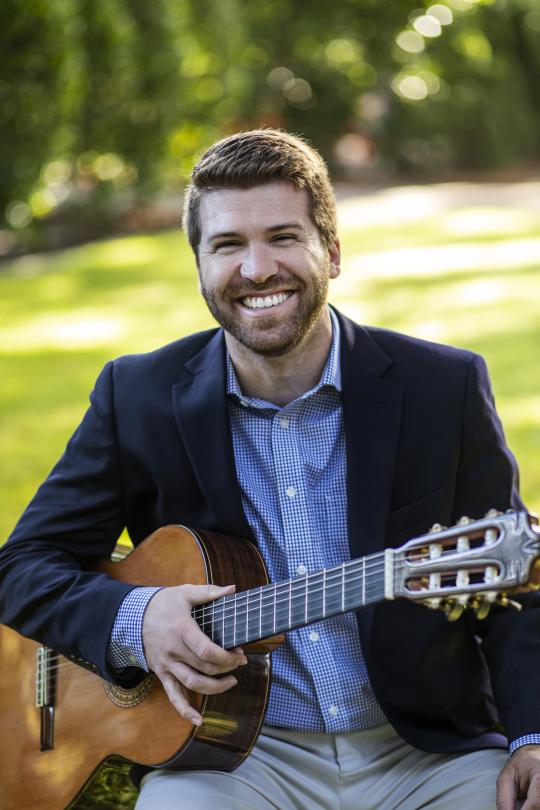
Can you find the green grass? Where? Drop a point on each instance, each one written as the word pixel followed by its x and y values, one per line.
pixel 468 278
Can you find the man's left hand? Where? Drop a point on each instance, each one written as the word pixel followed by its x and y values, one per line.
pixel 520 779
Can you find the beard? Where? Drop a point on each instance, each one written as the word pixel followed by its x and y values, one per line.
pixel 271 335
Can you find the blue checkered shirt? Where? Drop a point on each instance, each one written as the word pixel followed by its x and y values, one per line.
pixel 290 464
pixel 291 467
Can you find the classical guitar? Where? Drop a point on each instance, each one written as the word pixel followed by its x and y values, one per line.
pixel 66 731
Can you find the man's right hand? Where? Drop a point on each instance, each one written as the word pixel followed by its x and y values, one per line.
pixel 179 653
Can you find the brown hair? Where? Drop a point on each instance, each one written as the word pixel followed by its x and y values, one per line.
pixel 249 159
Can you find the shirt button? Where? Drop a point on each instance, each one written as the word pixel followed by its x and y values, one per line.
pixel 333 710
pixel 314 636
pixel 291 492
pixel 301 569
pixel 284 423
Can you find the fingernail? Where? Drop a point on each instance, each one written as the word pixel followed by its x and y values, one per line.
pixel 197 721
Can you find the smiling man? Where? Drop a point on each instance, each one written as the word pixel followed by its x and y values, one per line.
pixel 264 274
pixel 319 440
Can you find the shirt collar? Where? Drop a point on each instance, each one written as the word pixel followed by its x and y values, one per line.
pixel 331 373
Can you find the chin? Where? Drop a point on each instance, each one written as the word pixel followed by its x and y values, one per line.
pixel 268 345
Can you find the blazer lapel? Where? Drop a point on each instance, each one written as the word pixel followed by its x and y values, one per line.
pixel 372 416
pixel 200 409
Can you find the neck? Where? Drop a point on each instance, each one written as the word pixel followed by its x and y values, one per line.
pixel 282 379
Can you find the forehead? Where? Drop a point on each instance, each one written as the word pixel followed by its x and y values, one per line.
pixel 260 207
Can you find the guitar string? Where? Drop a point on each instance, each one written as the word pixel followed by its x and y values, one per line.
pixel 375 564
pixel 316 584
pixel 218 619
pixel 280 589
pixel 371 589
pixel 297 586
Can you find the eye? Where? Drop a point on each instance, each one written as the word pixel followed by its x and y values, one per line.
pixel 282 237
pixel 229 243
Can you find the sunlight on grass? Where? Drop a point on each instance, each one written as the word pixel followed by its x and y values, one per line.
pixel 67 332
pixel 432 260
pixel 468 276
pixel 484 221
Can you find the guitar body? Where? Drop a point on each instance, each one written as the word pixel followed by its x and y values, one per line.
pixel 98 729
pixel 73 745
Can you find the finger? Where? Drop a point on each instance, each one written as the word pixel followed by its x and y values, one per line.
pixel 506 791
pixel 177 698
pixel 202 684
pixel 533 794
pixel 199 594
pixel 201 652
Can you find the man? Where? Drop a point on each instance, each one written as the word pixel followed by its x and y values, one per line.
pixel 320 440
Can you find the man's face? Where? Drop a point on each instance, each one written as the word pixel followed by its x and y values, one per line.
pixel 262 267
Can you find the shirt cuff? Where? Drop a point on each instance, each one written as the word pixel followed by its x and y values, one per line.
pixel 527 739
pixel 125 644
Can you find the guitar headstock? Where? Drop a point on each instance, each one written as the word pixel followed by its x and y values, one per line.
pixel 472 564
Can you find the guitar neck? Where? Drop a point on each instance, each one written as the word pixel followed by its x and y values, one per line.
pixel 263 612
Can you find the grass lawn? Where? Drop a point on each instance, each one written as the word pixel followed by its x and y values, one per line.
pixel 468 277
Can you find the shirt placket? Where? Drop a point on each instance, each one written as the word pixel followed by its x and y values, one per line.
pixel 304 554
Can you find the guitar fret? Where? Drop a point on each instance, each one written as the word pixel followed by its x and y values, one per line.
pixel 363 580
pixel 290 603
pixel 282 606
pixel 224 605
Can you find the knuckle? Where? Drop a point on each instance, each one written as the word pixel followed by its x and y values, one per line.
pixel 190 681
pixel 202 649
pixel 209 669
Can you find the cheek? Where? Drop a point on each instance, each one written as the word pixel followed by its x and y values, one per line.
pixel 215 275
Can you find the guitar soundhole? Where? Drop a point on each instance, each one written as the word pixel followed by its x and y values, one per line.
pixel 127 698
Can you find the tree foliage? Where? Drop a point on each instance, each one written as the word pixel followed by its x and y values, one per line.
pixel 103 104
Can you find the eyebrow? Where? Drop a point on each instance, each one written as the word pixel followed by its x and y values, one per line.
pixel 271 229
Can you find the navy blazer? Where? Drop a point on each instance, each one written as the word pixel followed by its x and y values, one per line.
pixel 423 445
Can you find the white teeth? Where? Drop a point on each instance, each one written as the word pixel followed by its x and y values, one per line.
pixel 268 301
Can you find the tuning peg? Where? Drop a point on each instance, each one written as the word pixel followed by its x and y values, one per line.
pixel 480 606
pixel 437 528
pixel 504 601
pixel 434 602
pixel 464 520
pixel 491 513
pixel 453 609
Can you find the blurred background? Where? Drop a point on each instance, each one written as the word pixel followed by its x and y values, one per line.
pixel 428 115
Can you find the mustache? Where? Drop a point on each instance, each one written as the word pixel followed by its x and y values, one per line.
pixel 245 287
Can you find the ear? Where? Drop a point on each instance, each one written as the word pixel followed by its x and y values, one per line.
pixel 334 253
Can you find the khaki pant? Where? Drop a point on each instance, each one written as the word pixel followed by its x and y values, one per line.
pixel 364 770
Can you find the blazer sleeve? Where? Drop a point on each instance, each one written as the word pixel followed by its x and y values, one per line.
pixel 488 478
pixel 75 517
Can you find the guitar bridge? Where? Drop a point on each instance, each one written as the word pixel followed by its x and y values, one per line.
pixel 45 694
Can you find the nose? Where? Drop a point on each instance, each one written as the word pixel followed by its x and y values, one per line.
pixel 258 265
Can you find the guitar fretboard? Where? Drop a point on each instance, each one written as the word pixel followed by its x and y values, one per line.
pixel 272 609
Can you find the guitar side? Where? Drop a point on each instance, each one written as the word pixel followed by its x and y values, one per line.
pixel 95 726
